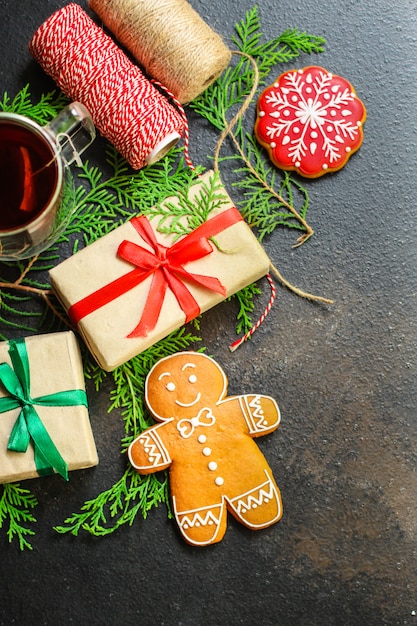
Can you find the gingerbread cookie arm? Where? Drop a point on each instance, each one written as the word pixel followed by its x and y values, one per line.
pixel 148 453
pixel 261 414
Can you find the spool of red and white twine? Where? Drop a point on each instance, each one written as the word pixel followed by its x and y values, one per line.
pixel 90 68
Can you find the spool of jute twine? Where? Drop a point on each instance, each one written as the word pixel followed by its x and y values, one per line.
pixel 169 39
pixel 90 68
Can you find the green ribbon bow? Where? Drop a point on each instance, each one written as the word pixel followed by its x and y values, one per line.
pixel 28 425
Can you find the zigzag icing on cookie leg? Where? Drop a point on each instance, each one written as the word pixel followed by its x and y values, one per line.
pixel 262 502
pixel 202 526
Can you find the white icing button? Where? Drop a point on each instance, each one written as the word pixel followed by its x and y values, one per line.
pixel 202 439
pixel 348 148
pixel 261 113
pixel 273 144
pixel 206 451
pixel 212 466
pixel 325 166
pixel 219 481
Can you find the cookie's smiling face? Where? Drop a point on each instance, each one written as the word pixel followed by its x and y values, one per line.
pixel 182 384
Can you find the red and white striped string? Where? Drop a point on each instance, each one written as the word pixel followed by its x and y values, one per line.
pixel 260 321
pixel 90 68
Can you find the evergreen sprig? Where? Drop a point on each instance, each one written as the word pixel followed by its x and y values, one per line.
pixel 236 81
pixel 119 505
pixel 16 505
pixel 269 195
pixel 132 494
pixel 41 112
pixel 187 213
pixel 246 305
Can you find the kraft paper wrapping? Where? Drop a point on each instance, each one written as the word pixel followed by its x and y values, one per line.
pixel 55 365
pixel 238 261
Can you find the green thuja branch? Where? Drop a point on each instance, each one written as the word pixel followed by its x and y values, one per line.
pixel 188 211
pixel 16 505
pixel 270 196
pixel 236 81
pixel 132 494
pixel 41 112
pixel 216 104
pixel 245 299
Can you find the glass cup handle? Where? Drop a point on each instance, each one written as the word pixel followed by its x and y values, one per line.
pixel 73 130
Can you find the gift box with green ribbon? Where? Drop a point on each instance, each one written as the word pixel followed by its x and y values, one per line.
pixel 44 421
pixel 140 282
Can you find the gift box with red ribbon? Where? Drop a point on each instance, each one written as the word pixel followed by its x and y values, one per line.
pixel 44 422
pixel 135 285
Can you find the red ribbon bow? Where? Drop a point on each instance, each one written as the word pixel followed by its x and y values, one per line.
pixel 166 265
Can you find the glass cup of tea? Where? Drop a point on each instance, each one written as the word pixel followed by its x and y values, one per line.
pixel 37 195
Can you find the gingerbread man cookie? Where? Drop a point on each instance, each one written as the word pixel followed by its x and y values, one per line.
pixel 206 440
pixel 310 121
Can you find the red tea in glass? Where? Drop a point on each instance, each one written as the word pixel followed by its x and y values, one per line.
pixel 28 175
pixel 36 185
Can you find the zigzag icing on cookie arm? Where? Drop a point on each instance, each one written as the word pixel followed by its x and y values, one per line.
pixel 259 421
pixel 147 452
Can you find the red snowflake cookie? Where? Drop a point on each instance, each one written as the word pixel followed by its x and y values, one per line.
pixel 310 121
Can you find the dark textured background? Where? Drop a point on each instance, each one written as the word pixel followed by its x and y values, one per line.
pixel 344 376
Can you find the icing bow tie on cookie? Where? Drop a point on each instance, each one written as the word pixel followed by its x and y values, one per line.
pixel 186 426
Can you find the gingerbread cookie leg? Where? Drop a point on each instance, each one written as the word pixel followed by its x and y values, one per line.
pixel 259 507
pixel 204 525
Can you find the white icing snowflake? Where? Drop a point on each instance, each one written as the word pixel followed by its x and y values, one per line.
pixel 310 120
